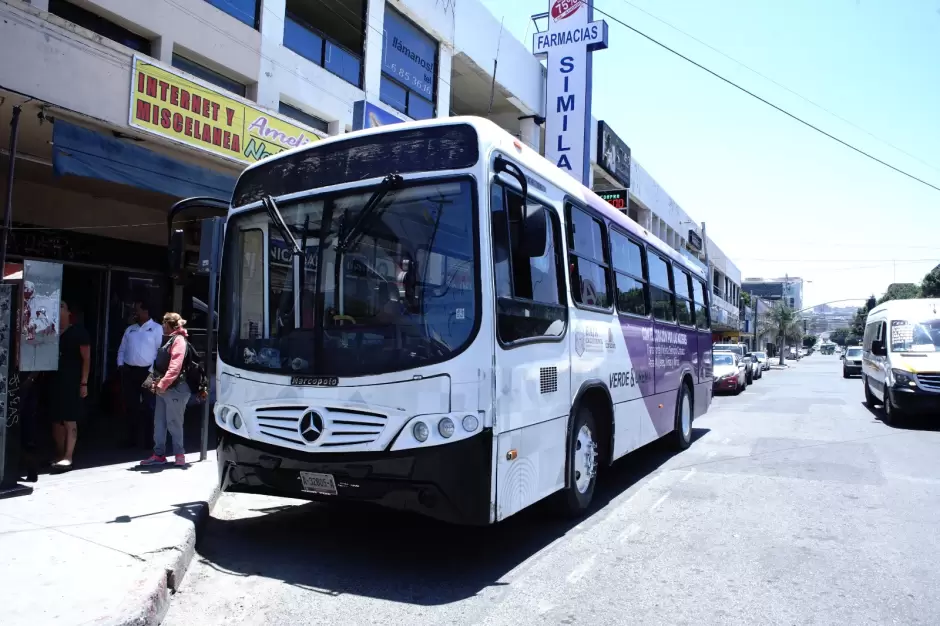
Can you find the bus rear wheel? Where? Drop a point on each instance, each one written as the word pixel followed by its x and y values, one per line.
pixel 682 435
pixel 582 464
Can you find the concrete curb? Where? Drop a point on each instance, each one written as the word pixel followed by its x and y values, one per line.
pixel 149 604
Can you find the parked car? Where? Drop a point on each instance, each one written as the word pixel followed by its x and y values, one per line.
pixel 762 359
pixel 739 349
pixel 730 372
pixel 757 370
pixel 852 361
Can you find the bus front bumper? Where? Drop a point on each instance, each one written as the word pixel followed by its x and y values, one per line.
pixel 448 482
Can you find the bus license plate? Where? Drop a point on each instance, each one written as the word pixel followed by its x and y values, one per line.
pixel 318 483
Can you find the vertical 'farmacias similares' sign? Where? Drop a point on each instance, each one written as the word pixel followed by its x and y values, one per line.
pixel 568 44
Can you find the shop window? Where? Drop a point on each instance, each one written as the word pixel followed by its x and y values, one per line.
pixel 97 24
pixel 630 286
pixel 590 275
pixel 304 118
pixel 409 67
pixel 529 285
pixel 335 43
pixel 203 72
pixel 245 11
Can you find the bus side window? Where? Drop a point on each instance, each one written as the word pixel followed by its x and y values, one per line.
pixel 701 306
pixel 590 275
pixel 529 289
pixel 663 300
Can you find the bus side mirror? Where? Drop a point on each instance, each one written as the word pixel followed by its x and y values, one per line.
pixel 878 348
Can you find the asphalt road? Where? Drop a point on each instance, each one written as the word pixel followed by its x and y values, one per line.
pixel 794 505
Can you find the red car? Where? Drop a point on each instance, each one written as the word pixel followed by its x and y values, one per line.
pixel 730 372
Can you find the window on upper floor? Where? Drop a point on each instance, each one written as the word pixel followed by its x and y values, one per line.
pixel 210 76
pixel 328 33
pixel 245 11
pixel 97 24
pixel 409 67
pixel 303 117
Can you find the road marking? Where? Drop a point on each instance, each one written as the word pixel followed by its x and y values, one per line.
pixel 629 532
pixel 578 573
pixel 659 502
pixel 687 476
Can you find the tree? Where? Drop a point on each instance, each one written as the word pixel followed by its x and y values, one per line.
pixel 839 336
pixel 900 291
pixel 930 288
pixel 809 341
pixel 858 324
pixel 745 298
pixel 783 323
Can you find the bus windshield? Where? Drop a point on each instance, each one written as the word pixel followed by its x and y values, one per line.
pixel 387 291
pixel 910 336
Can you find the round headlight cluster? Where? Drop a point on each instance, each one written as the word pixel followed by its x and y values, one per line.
pixel 237 421
pixel 446 428
pixel 421 431
pixel 470 423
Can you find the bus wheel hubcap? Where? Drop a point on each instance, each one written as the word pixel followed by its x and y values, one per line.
pixel 686 417
pixel 585 459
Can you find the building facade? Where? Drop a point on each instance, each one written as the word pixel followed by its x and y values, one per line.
pixel 788 289
pixel 124 107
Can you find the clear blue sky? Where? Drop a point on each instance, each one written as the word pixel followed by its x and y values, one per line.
pixel 779 197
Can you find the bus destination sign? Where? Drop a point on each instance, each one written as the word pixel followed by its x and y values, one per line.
pixel 615 197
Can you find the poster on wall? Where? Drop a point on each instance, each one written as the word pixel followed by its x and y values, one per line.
pixel 409 55
pixel 368 115
pixel 39 325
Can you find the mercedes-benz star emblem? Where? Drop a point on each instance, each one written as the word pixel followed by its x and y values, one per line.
pixel 311 425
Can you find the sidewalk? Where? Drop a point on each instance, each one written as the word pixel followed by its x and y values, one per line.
pixel 101 546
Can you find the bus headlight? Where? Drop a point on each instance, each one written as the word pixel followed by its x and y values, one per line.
pixel 421 432
pixel 237 421
pixel 470 423
pixel 446 428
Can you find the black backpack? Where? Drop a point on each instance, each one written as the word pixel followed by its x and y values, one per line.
pixel 194 371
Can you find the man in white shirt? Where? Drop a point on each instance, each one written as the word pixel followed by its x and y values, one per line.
pixel 135 358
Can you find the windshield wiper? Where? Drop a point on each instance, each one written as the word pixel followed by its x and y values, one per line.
pixel 390 182
pixel 275 215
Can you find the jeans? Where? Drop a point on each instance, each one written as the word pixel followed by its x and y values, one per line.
pixel 168 416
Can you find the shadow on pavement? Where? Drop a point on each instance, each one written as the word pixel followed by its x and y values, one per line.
pixel 912 422
pixel 368 551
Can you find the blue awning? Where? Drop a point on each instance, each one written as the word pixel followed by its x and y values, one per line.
pixel 82 152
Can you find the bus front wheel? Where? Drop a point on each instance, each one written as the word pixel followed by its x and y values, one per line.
pixel 582 464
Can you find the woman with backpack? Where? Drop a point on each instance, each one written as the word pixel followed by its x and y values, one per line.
pixel 172 391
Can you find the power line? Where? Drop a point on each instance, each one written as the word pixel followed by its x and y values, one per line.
pixel 767 102
pixel 782 86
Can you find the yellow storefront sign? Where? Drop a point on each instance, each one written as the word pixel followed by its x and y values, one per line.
pixel 165 103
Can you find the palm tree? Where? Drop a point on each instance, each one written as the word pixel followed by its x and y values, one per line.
pixel 783 323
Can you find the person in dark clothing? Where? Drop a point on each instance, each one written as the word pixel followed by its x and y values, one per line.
pixel 68 386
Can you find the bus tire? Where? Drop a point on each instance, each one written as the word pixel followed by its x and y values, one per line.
pixel 682 434
pixel 581 464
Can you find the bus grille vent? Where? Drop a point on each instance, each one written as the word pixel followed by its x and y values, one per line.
pixel 548 379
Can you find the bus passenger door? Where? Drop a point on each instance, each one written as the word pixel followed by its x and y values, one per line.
pixel 532 367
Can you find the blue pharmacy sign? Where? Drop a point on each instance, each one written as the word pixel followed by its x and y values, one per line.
pixel 408 55
pixel 568 44
pixel 368 115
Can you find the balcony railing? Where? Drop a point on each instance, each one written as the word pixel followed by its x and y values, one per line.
pixel 318 48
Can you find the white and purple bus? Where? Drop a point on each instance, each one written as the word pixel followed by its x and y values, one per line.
pixel 432 317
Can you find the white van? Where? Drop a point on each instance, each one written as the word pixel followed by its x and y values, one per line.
pixel 901 358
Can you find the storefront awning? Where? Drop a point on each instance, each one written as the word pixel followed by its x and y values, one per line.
pixel 79 151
